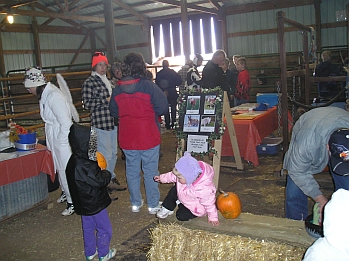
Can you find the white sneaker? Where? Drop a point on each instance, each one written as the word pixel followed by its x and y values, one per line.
pixel 164 213
pixel 153 211
pixel 136 209
pixel 89 258
pixel 110 255
pixel 69 210
pixel 62 198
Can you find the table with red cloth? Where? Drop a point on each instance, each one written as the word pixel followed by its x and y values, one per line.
pixel 28 164
pixel 250 133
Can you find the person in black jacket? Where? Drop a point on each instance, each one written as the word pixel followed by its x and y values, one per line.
pixel 168 80
pixel 327 90
pixel 88 187
pixel 212 74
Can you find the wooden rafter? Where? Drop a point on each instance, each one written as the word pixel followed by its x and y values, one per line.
pixel 71 22
pixel 59 5
pixel 215 4
pixel 266 5
pixel 81 6
pixel 191 6
pixel 68 16
pixel 130 10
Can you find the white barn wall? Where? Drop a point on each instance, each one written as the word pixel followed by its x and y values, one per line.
pixel 333 36
pixel 267 43
pixel 130 35
pixel 17 41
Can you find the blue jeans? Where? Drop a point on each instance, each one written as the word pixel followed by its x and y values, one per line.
pixel 296 204
pixel 97 231
pixel 149 160
pixel 107 144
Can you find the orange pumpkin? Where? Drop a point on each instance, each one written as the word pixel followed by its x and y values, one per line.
pixel 101 160
pixel 229 204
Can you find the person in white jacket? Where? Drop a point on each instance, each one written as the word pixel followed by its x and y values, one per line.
pixel 335 243
pixel 194 191
pixel 56 113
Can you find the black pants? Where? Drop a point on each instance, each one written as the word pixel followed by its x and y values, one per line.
pixel 169 121
pixel 182 214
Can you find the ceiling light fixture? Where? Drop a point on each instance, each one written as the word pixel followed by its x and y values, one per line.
pixel 10 18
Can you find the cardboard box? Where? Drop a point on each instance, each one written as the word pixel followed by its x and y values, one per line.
pixel 270 98
pixel 270 146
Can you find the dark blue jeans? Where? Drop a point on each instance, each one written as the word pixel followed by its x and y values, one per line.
pixel 296 203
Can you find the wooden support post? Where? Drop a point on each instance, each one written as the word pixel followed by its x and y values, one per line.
pixel 317 5
pixel 109 30
pixel 2 61
pixel 185 29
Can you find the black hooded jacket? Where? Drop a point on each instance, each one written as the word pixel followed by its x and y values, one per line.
pixel 87 182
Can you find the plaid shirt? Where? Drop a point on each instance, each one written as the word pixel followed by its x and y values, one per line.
pixel 183 73
pixel 94 96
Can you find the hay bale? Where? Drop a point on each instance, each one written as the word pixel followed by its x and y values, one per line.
pixel 174 242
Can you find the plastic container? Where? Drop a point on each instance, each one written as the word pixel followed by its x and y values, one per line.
pixel 270 146
pixel 26 142
pixel 270 98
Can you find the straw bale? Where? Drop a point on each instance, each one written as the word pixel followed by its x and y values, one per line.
pixel 174 242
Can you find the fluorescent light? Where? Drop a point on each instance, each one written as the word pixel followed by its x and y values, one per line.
pixel 10 19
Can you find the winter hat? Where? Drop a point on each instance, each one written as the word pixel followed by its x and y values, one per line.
pixel 339 148
pixel 197 58
pixel 34 77
pixel 98 57
pixel 188 167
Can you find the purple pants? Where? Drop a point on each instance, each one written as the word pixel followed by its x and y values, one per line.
pixel 97 232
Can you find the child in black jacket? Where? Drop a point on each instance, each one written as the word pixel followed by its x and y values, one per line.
pixel 88 186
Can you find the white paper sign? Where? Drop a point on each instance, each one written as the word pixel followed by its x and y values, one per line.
pixel 197 143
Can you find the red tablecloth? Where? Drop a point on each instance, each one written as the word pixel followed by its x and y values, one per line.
pixel 27 165
pixel 250 134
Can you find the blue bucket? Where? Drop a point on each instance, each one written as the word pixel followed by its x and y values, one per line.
pixel 26 142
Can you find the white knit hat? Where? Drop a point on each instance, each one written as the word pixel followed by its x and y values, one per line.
pixel 34 77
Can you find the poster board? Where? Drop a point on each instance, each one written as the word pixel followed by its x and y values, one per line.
pixel 200 126
pixel 200 121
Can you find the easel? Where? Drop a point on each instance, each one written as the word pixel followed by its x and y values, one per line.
pixel 226 113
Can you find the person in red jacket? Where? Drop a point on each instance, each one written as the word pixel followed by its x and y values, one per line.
pixel 137 102
pixel 242 91
pixel 193 188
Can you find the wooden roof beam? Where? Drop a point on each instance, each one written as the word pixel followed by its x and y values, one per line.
pixel 68 16
pixel 191 6
pixel 131 10
pixel 266 5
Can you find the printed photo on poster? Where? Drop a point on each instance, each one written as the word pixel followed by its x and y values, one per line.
pixel 193 105
pixel 191 123
pixel 207 123
pixel 209 106
pixel 197 143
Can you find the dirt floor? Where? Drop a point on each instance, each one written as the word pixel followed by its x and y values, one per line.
pixel 43 234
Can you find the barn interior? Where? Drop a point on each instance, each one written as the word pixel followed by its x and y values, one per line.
pixel 282 42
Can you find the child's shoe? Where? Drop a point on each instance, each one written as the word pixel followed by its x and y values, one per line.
pixel 164 213
pixel 111 254
pixel 62 198
pixel 153 211
pixel 88 258
pixel 69 210
pixel 136 209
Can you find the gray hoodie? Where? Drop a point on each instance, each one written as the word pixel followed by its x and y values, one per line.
pixel 307 153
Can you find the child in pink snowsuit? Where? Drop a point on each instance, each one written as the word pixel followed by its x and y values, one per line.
pixel 194 191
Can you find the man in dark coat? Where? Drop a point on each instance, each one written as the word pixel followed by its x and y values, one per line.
pixel 327 90
pixel 212 74
pixel 168 80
